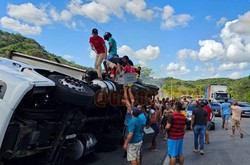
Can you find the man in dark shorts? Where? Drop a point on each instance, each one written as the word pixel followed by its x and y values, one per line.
pixel 176 127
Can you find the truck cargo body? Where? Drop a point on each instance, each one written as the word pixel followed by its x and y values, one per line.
pixel 52 113
pixel 216 93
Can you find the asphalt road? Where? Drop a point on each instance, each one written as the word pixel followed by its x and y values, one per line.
pixel 222 150
pixel 116 157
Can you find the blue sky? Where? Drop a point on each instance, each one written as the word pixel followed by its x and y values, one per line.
pixel 185 39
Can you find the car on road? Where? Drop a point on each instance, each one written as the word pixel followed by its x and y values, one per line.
pixel 215 107
pixel 245 107
pixel 191 106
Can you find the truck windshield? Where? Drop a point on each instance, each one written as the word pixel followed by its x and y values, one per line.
pixel 221 96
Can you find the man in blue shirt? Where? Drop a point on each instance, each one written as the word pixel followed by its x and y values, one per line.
pixel 225 112
pixel 112 49
pixel 133 141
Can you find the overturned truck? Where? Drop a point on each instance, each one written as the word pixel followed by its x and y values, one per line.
pixel 51 113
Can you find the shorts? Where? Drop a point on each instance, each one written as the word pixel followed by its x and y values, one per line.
pixel 111 56
pixel 110 64
pixel 235 123
pixel 225 117
pixel 134 151
pixel 175 147
pixel 208 125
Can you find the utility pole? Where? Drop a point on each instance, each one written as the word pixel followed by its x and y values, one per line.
pixel 171 90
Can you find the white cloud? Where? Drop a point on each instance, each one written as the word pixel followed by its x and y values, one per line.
pixel 149 53
pixel 92 54
pixel 169 20
pixel 125 50
pixel 234 75
pixel 145 54
pixel 210 50
pixel 93 10
pixel 185 54
pixel 68 57
pixel 209 18
pixel 233 66
pixel 232 53
pixel 107 8
pixel 236 38
pixel 29 13
pixel 221 22
pixel 176 69
pixel 208 70
pixel 15 25
pixel 64 15
pixel 138 8
pixel 242 26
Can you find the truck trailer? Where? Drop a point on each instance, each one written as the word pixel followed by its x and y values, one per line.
pixel 51 113
pixel 216 93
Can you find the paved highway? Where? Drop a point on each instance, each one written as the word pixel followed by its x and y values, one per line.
pixel 223 150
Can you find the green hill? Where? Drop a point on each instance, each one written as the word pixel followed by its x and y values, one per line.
pixel 18 43
pixel 239 89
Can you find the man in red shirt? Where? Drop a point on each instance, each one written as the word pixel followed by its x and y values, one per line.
pixel 98 45
pixel 210 114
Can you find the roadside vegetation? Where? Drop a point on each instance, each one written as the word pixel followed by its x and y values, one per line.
pixel 239 89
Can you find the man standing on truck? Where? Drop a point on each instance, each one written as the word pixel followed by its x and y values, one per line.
pixel 112 49
pixel 98 46
pixel 225 111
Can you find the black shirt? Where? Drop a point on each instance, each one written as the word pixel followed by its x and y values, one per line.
pixel 119 61
pixel 200 116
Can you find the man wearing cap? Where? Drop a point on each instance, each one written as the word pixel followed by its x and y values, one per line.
pixel 98 45
pixel 112 49
pixel 133 141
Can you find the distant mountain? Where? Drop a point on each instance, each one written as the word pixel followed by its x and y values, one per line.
pixel 239 89
pixel 18 43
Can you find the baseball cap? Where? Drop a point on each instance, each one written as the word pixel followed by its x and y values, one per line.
pixel 94 31
pixel 136 111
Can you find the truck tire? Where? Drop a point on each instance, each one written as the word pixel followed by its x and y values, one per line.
pixel 69 95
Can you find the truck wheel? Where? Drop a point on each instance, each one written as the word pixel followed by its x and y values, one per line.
pixel 71 90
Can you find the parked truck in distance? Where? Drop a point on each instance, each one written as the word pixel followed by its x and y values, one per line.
pixel 216 93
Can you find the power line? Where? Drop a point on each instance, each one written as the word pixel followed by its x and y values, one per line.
pixel 76 5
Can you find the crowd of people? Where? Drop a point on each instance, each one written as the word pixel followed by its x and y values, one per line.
pixel 164 116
